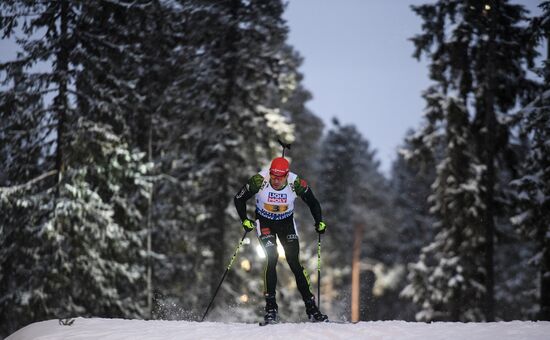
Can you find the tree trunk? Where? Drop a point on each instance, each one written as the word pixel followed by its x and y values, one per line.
pixel 367 309
pixel 544 230
pixel 61 101
pixel 356 272
pixel 149 226
pixel 217 202
pixel 544 313
pixel 489 148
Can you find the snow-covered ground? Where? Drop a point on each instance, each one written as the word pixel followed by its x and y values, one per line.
pixel 111 329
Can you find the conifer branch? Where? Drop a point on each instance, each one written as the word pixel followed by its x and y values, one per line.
pixel 6 191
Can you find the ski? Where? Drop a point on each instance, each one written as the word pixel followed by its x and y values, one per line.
pixel 265 323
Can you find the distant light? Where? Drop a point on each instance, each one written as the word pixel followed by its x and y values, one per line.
pixel 487 7
pixel 245 264
pixel 261 253
pixel 281 250
pixel 244 298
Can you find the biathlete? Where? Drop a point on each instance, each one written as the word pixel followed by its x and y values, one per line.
pixel 276 190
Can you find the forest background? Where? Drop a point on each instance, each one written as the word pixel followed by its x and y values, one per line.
pixel 121 157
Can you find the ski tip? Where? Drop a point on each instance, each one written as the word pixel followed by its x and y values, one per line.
pixel 343 322
pixel 265 323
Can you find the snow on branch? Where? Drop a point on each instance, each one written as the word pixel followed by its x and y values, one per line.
pixel 6 191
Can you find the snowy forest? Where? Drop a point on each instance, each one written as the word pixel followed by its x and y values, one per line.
pixel 127 126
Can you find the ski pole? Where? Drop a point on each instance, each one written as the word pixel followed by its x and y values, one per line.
pixel 284 145
pixel 319 273
pixel 224 274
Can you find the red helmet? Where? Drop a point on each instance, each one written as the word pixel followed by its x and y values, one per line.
pixel 279 167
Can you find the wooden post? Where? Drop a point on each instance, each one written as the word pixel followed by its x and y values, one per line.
pixel 149 226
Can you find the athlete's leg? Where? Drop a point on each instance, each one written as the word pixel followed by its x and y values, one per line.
pixel 291 244
pixel 289 239
pixel 269 243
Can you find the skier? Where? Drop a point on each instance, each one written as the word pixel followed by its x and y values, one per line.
pixel 275 192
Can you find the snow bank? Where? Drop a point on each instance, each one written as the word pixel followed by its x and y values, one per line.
pixel 111 329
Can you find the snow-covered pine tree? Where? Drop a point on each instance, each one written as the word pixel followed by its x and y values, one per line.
pixel 113 65
pixel 103 236
pixel 532 187
pixel 83 230
pixel 335 165
pixel 424 150
pixel 21 156
pixel 480 50
pixel 82 256
pixel 411 189
pixel 227 64
pixel 20 139
pixel 447 281
pixel 25 256
pixel 126 68
pixel 29 297
pixel 338 159
pixel 533 193
pixel 352 193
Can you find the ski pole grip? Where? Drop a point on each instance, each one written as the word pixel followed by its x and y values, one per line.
pixel 284 145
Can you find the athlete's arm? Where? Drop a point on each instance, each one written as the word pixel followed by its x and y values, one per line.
pixel 247 191
pixel 304 191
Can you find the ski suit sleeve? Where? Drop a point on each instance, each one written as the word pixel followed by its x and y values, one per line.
pixel 305 192
pixel 247 191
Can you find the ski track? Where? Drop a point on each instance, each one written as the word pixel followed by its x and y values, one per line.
pixel 118 329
